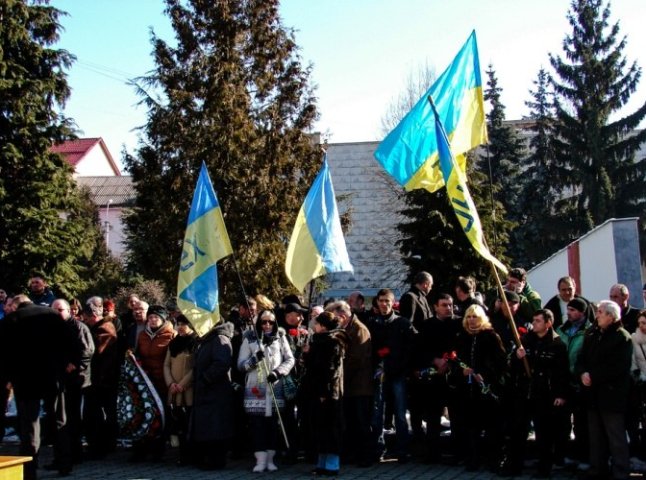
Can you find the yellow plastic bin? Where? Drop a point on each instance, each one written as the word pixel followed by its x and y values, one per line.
pixel 11 467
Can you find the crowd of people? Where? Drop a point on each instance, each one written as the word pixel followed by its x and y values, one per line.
pixel 327 384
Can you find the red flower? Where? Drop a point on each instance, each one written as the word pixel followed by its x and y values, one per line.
pixel 383 352
pixel 293 332
pixel 522 331
pixel 450 355
pixel 255 391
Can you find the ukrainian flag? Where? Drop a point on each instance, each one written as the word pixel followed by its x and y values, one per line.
pixel 206 241
pixel 317 245
pixel 410 152
pixel 456 188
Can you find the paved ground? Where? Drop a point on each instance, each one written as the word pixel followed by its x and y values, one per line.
pixel 116 467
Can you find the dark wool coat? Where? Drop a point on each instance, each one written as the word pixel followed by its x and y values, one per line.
pixel 484 353
pixel 107 358
pixel 38 343
pixel 414 306
pixel 606 355
pixel 213 404
pixel 357 366
pixel 393 341
pixel 322 389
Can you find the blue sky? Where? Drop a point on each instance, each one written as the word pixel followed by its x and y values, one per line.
pixel 362 52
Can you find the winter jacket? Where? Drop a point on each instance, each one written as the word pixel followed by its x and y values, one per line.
pixel 639 354
pixel 278 359
pixel 179 369
pixel 414 306
pixel 606 355
pixel 151 351
pixel 322 390
pixel 573 340
pixel 357 364
pixel 213 406
pixel 548 363
pixel 393 340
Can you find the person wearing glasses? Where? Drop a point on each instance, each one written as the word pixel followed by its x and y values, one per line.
pixel 266 358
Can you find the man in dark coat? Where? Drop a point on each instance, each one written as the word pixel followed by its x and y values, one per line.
pixel 392 346
pixel 604 369
pixel 40 293
pixel 77 376
pixel 465 295
pixel 357 385
pixel 413 304
pixel 539 398
pixel 213 405
pixel 620 294
pixel 435 341
pixel 37 343
pixel 558 303
pixel 100 398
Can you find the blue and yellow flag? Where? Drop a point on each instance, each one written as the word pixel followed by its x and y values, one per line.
pixel 456 188
pixel 410 152
pixel 206 241
pixel 317 245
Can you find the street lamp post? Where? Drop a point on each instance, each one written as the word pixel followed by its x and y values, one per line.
pixel 107 223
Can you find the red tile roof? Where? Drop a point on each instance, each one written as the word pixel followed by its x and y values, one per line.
pixel 75 150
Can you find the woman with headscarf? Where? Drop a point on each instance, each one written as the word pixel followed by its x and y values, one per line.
pixel 266 358
pixel 178 374
pixel 478 370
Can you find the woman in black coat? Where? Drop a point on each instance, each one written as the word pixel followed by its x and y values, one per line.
pixel 322 387
pixel 212 422
pixel 479 372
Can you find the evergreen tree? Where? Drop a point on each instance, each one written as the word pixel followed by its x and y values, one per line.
pixel 593 81
pixel 234 95
pixel 44 223
pixel 503 155
pixel 433 240
pixel 544 220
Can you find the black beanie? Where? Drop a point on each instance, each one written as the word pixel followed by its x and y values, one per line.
pixel 578 304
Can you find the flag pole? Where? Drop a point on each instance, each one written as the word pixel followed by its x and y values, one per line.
pixel 506 310
pixel 510 318
pixel 263 363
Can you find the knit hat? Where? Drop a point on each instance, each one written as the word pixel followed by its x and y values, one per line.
pixel 512 297
pixel 578 304
pixel 158 310
pixel 328 320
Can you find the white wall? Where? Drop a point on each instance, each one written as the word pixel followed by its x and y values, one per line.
pixel 598 265
pixel 94 164
pixel 543 278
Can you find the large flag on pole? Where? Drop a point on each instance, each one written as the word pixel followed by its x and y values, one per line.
pixel 206 241
pixel 410 152
pixel 456 188
pixel 317 245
